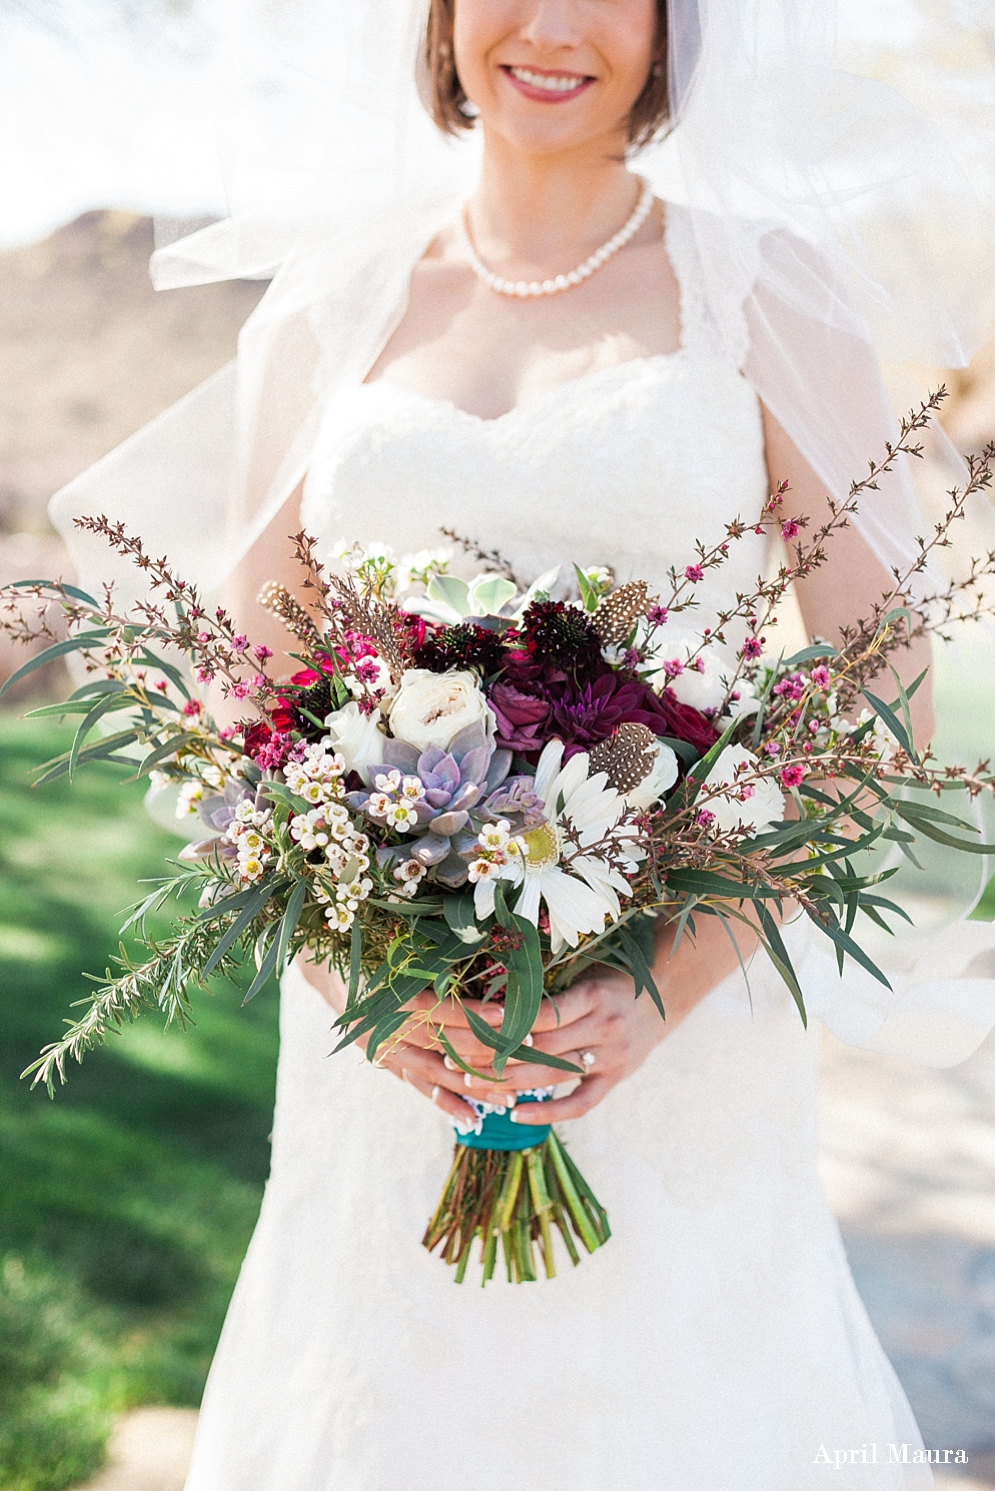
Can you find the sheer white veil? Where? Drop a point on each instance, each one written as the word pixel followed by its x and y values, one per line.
pixel 829 219
pixel 828 215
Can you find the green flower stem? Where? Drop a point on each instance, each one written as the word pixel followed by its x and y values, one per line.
pixel 541 1198
pixel 515 1196
pixel 575 1206
pixel 490 1256
pixel 566 1234
pixel 543 1204
pixel 508 1260
pixel 509 1194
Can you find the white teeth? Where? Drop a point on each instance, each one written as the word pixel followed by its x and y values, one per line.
pixel 549 83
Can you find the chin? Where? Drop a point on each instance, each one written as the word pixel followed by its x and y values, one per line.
pixel 549 137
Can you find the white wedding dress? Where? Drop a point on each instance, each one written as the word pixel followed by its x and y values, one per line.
pixel 717 1342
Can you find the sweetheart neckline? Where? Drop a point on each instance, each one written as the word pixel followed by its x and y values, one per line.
pixel 549 397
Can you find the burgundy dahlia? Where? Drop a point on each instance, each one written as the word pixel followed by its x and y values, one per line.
pixel 463 646
pixel 585 714
pixel 582 716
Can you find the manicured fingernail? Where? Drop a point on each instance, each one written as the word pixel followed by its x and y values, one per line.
pixel 467 1080
pixel 528 1041
pixel 449 1064
pixel 405 1074
pixel 435 1094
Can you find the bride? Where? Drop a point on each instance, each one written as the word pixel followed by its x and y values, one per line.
pixel 565 365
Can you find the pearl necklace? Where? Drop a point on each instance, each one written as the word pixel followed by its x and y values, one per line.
pixel 524 289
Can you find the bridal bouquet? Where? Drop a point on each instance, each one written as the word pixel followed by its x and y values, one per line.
pixel 483 790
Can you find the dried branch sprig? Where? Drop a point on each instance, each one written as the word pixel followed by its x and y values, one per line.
pixel 221 650
pixel 494 560
pixel 758 608
pixel 305 546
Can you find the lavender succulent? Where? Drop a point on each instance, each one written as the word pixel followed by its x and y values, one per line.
pixel 437 797
pixel 218 813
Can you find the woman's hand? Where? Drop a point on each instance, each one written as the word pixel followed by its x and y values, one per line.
pixel 417 1055
pixel 598 1025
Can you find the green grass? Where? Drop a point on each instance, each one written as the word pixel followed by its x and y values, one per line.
pixel 128 1201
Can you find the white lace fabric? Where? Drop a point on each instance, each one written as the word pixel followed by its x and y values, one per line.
pixel 628 465
pixel 717 1341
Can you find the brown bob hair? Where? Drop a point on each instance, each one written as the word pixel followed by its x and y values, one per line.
pixel 448 105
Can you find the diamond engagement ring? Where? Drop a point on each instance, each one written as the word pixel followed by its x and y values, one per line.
pixel 587 1060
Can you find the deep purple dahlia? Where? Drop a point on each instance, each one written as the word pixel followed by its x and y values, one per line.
pixel 584 715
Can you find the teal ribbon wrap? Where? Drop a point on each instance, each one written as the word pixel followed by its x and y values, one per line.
pixel 498 1132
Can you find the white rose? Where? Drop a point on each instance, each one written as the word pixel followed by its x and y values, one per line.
pixel 382 683
pixel 743 808
pixel 703 683
pixel 430 709
pixel 357 738
pixel 747 703
pixel 662 776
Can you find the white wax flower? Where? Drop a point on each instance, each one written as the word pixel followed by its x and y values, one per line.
pixel 430 709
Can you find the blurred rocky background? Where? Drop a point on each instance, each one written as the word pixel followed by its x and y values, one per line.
pixel 88 354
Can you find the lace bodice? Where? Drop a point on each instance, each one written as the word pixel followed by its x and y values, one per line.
pixel 626 466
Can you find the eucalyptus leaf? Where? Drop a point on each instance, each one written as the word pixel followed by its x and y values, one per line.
pixel 60 649
pixel 163 751
pixel 778 954
pixel 264 893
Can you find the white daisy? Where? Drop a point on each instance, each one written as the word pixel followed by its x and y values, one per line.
pixel 580 890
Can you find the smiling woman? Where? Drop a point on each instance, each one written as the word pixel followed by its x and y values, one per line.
pixel 453 104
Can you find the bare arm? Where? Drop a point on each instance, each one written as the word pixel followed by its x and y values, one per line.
pixel 270 558
pixel 846 587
